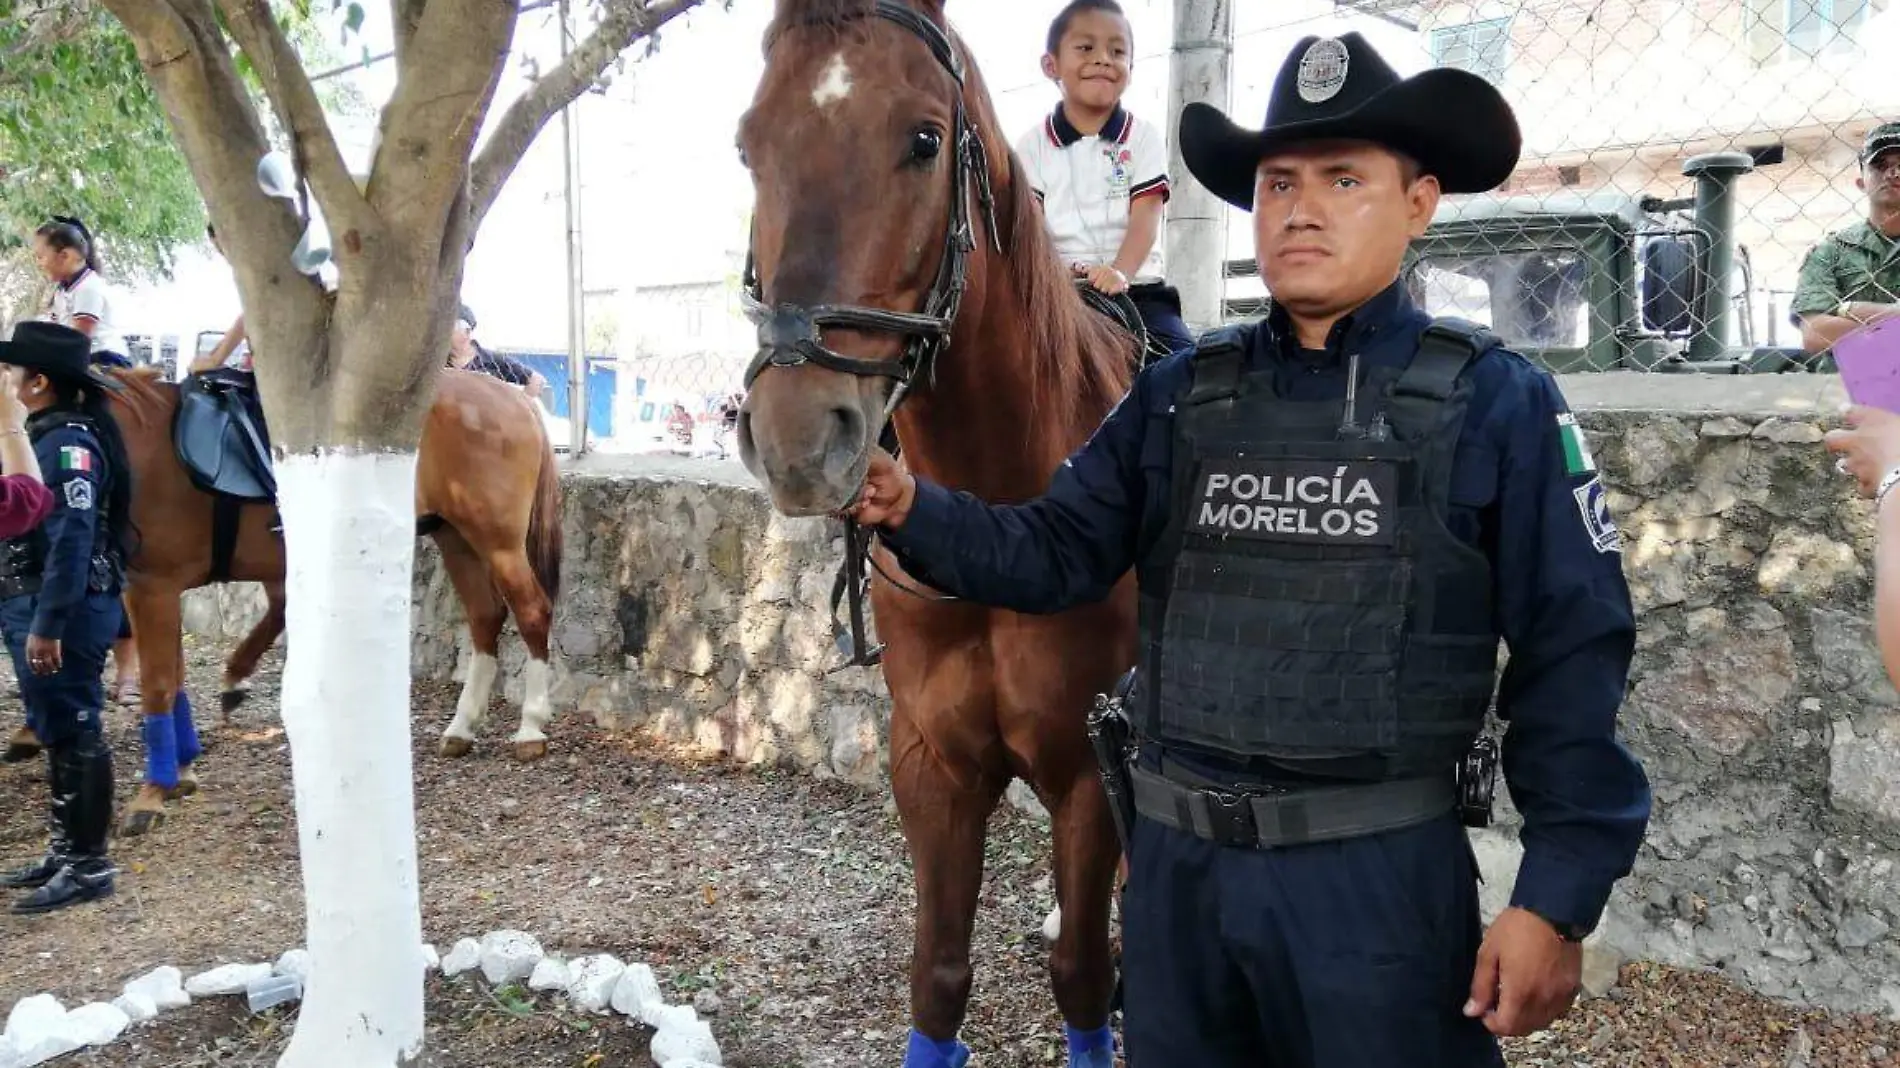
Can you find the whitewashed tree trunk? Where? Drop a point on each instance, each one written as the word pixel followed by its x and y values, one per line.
pixel 350 546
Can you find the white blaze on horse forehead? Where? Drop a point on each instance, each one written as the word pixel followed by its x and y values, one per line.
pixel 834 84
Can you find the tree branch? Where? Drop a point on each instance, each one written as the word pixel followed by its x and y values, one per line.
pixel 404 15
pixel 622 23
pixel 446 78
pixel 294 99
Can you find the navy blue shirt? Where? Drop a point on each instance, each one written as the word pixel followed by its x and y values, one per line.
pixel 1563 604
pixel 73 467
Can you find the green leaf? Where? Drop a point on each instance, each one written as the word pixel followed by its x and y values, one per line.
pixel 353 20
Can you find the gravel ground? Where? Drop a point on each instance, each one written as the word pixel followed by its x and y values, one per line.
pixel 788 898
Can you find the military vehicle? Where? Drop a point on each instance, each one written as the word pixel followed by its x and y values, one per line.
pixel 1598 281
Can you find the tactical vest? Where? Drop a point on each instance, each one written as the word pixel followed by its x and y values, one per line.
pixel 1306 603
pixel 23 558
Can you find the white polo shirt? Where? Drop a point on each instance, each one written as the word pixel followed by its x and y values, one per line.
pixel 89 295
pixel 1087 182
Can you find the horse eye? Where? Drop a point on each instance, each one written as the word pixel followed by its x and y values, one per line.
pixel 925 145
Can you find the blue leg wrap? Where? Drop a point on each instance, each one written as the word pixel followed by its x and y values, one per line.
pixel 187 731
pixel 1090 1049
pixel 930 1053
pixel 161 750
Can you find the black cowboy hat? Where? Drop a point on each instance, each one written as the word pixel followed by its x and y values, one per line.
pixel 58 352
pixel 1454 123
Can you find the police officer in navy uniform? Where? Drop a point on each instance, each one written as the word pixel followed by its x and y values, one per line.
pixel 1334 516
pixel 60 604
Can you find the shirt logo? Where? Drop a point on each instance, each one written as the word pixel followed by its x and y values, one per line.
pixel 79 495
pixel 1308 501
pixel 1119 160
pixel 1322 70
pixel 74 458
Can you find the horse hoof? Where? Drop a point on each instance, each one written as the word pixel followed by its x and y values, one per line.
pixel 528 752
pixel 187 785
pixel 139 821
pixel 24 745
pixel 230 701
pixel 456 748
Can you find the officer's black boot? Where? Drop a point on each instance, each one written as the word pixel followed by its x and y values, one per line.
pixel 88 874
pixel 59 785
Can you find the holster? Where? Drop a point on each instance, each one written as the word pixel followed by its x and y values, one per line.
pixel 1110 734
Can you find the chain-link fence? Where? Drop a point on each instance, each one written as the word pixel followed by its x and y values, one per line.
pixel 1681 158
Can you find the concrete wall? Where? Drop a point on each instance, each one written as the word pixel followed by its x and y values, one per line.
pixel 1757 702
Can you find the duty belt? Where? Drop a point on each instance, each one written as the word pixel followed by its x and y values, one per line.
pixel 1277 816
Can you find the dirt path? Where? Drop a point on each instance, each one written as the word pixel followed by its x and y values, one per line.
pixel 789 898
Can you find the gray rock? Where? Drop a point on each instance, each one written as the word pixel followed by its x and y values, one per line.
pixel 1858 930
pixel 707 1003
pixel 1864 769
pixel 1723 690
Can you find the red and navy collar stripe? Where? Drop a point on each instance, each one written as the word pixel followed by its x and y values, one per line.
pixel 71 283
pixel 1062 133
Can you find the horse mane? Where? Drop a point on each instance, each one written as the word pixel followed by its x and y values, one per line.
pixel 146 395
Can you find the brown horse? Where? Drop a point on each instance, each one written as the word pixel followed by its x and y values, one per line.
pixel 870 139
pixel 487 490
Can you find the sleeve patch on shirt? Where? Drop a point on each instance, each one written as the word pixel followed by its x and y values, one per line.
pixel 1593 504
pixel 1577 458
pixel 79 495
pixel 74 458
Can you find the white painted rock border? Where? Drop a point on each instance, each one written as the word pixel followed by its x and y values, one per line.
pixel 39 1028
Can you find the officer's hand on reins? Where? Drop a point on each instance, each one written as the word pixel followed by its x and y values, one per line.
pixel 42 654
pixel 1526 977
pixel 887 493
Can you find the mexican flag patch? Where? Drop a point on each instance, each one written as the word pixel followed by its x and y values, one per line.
pixel 1577 459
pixel 74 458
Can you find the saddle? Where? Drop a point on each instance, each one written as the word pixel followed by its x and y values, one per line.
pixel 220 435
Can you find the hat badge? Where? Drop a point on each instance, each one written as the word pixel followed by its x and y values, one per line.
pixel 1322 70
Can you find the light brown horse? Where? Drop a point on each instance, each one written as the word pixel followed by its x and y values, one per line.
pixel 866 148
pixel 487 490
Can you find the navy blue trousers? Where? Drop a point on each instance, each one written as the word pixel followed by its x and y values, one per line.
pixel 1351 954
pixel 63 707
pixel 1160 308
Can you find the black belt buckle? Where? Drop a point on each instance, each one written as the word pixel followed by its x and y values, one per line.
pixel 1477 782
pixel 1230 818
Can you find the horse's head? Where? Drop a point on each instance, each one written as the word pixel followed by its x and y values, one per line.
pixel 872 187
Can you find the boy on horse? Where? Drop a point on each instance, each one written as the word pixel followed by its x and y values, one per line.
pixel 1101 174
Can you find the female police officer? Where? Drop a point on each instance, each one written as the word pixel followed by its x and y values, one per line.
pixel 60 606
pixel 1334 515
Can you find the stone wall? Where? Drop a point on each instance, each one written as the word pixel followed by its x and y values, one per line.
pixel 1757 701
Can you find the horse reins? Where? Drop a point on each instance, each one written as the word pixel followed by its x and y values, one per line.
pixel 791 334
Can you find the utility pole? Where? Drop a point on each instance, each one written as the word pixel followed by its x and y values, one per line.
pixel 576 309
pixel 1200 69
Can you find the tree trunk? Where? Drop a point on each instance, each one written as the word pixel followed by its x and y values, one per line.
pixel 350 545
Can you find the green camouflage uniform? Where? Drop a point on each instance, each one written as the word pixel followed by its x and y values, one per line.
pixel 1858 263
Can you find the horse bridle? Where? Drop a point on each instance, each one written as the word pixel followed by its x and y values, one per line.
pixel 791 334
